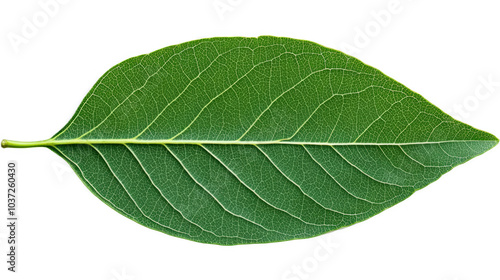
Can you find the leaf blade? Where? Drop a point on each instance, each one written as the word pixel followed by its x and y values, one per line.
pixel 254 140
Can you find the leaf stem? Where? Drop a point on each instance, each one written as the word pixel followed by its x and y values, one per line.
pixel 20 144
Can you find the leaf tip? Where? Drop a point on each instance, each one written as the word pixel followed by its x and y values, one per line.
pixel 493 138
pixel 4 143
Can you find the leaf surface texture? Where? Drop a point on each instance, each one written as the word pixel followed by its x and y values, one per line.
pixel 254 140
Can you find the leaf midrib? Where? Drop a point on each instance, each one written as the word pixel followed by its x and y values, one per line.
pixel 53 142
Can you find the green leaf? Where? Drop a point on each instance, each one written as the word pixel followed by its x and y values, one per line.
pixel 254 140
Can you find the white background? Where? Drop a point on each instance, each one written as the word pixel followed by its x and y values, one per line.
pixel 441 49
